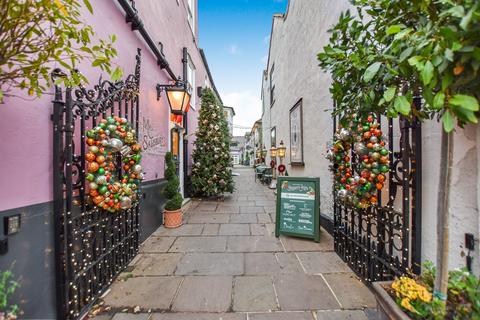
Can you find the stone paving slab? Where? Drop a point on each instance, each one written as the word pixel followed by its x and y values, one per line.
pixel 199 244
pixel 281 316
pixel 252 210
pixel 228 209
pixel 301 245
pixel 254 294
pixel 185 230
pixel 271 263
pixel 156 244
pixel 156 264
pixel 211 229
pixel 263 218
pixel 211 264
pixel 243 218
pixel 129 316
pixel 234 229
pixel 199 316
pixel 322 262
pixel 350 291
pixel 209 206
pixel 303 292
pixel 209 218
pixel 341 315
pixel 258 229
pixel 146 292
pixel 253 244
pixel 204 294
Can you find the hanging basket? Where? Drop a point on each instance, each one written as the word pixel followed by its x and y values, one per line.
pixel 172 219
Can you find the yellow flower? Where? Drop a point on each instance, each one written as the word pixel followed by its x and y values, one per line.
pixel 406 304
pixel 61 7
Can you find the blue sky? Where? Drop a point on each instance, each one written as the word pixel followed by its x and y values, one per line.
pixel 235 36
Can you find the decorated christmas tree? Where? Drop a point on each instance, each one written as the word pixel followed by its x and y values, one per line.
pixel 211 173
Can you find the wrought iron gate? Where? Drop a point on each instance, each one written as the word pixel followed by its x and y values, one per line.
pixel 92 246
pixel 384 240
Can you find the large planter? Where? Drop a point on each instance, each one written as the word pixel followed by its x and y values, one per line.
pixel 387 308
pixel 173 219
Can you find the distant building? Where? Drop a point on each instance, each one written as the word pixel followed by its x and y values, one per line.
pixel 236 146
pixel 229 114
pixel 257 141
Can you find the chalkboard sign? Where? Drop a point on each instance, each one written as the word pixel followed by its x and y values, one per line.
pixel 298 211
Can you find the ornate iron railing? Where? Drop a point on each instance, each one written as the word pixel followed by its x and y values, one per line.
pixel 92 245
pixel 383 241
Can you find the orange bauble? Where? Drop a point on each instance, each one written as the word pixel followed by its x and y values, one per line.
pixel 90 157
pixel 93 167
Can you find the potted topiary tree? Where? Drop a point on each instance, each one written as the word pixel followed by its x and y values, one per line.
pixel 172 213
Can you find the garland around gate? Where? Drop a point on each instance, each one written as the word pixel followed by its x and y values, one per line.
pixel 359 185
pixel 113 186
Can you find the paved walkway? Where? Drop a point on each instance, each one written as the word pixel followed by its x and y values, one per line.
pixel 226 264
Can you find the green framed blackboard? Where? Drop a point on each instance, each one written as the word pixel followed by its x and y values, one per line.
pixel 298 213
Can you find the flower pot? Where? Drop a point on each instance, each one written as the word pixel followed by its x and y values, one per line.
pixel 387 307
pixel 173 219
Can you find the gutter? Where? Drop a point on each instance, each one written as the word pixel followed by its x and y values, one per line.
pixel 132 17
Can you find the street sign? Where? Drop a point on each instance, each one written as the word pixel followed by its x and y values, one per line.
pixel 298 212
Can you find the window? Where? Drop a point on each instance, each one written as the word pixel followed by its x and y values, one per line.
pixel 273 137
pixel 191 82
pixel 191 14
pixel 272 86
pixel 296 134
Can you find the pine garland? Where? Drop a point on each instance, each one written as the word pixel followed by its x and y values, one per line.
pixel 211 173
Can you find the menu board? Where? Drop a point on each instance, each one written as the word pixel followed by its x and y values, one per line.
pixel 298 213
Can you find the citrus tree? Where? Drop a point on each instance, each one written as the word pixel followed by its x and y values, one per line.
pixel 37 36
pixel 393 50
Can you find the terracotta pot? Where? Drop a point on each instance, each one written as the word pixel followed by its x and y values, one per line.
pixel 172 219
pixel 387 308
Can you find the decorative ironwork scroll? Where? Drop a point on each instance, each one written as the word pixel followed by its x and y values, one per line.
pixel 383 241
pixel 92 245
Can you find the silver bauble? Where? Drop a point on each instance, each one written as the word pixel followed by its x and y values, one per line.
pixel 116 144
pixel 126 203
pixel 101 180
pixel 373 139
pixel 112 127
pixel 137 168
pixel 330 155
pixel 360 149
pixel 344 134
pixel 377 147
pixel 93 149
pixel 93 185
pixel 105 143
pixel 356 178
pixel 342 194
pixel 107 132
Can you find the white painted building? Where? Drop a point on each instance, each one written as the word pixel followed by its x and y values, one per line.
pixel 293 80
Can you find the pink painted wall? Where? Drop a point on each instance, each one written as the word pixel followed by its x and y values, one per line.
pixel 25 126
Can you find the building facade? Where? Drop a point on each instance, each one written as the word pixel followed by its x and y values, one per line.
pixel 297 109
pixel 229 114
pixel 27 186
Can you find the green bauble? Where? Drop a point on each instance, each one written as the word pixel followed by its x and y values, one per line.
pixel 91 134
pixel 111 120
pixel 368 186
pixel 384 169
pixel 102 125
pixel 375 170
pixel 366 128
pixel 102 189
pixel 90 177
pixel 101 171
pixel 384 152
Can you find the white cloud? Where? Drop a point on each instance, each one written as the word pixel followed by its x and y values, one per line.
pixel 265 59
pixel 266 39
pixel 233 49
pixel 248 108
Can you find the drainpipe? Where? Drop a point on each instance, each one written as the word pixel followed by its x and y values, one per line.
pixel 185 123
pixel 132 17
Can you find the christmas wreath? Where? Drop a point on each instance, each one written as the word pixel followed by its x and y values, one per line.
pixel 114 137
pixel 372 162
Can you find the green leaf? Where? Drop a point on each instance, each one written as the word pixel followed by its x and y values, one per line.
pixel 394 29
pixel 449 54
pixel 465 102
pixel 427 73
pixel 439 101
pixel 405 54
pixel 117 74
pixel 467 18
pixel 402 105
pixel 448 122
pixel 88 5
pixel 447 80
pixel 389 94
pixel 415 60
pixel 371 71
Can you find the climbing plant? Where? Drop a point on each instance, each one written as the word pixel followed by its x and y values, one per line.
pixel 37 36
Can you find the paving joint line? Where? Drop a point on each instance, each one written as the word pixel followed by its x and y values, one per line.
pixel 331 290
pixel 301 264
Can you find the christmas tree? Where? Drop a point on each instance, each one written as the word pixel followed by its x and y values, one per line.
pixel 211 173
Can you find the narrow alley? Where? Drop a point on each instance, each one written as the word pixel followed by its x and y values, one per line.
pixel 225 263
